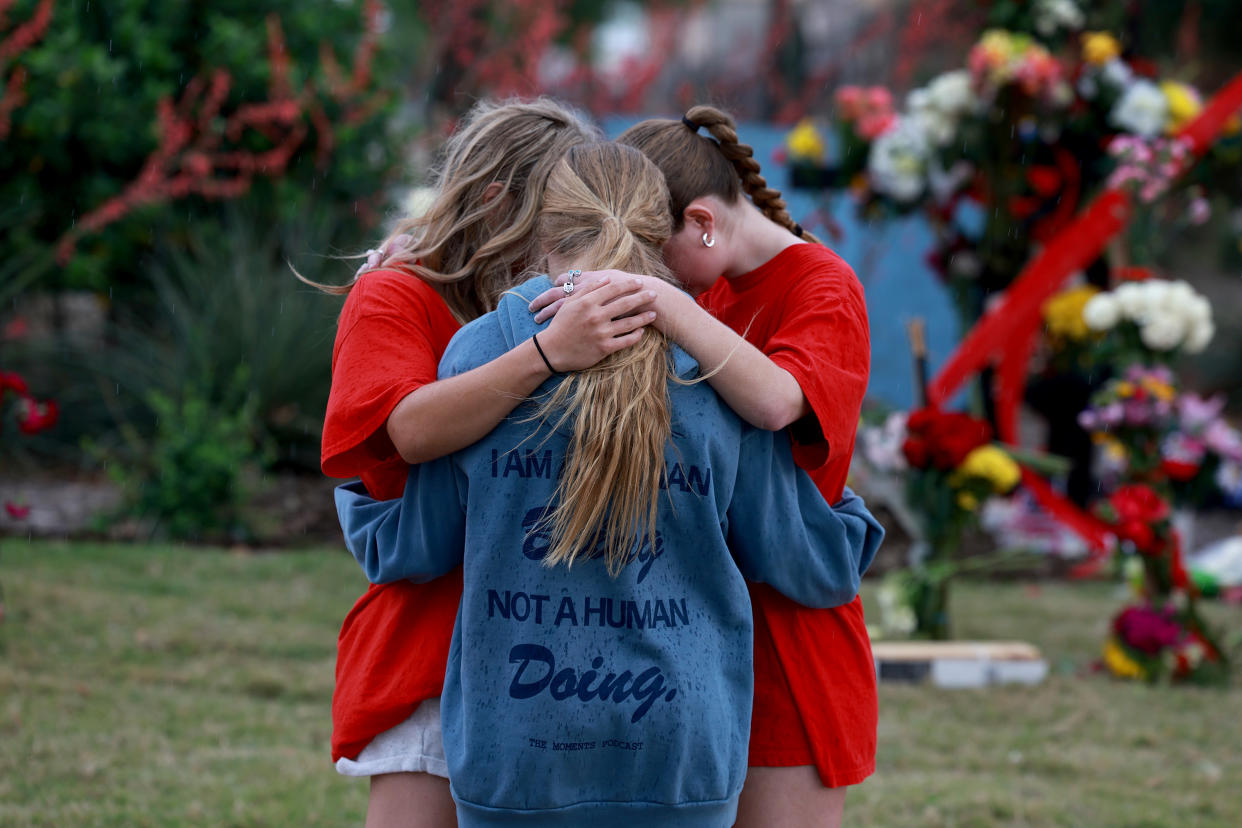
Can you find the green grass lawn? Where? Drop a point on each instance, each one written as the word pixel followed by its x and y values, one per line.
pixel 158 685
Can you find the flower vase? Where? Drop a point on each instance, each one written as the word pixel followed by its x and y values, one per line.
pixel 930 601
pixel 928 594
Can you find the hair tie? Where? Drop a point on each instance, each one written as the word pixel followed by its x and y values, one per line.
pixel 797 230
pixel 690 125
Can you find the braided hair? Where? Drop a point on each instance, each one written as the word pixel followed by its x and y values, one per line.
pixel 696 165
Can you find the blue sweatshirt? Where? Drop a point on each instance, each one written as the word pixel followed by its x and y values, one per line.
pixel 573 698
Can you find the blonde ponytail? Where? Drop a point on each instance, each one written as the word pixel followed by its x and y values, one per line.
pixel 606 206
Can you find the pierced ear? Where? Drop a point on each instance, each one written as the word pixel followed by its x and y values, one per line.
pixel 492 190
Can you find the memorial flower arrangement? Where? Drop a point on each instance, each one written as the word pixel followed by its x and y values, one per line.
pixel 1131 415
pixel 1162 635
pixel 1000 154
pixel 951 467
pixel 1148 320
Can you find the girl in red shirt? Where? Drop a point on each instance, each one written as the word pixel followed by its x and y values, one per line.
pixel 813 729
pixel 386 410
pixel 814 725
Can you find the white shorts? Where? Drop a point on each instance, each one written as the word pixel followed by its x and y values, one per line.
pixel 414 746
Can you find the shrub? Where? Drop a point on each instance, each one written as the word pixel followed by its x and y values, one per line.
pixel 285 102
pixel 193 477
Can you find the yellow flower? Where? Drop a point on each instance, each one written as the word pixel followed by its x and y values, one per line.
pixel 1099 48
pixel 993 465
pixel 1063 313
pixel 1184 104
pixel 1120 664
pixel 1125 388
pixel 967 501
pixel 1161 390
pixel 805 143
pixel 1114 449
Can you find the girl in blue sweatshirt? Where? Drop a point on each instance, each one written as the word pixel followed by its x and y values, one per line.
pixel 600 669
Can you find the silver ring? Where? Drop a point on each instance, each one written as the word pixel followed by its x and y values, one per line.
pixel 568 288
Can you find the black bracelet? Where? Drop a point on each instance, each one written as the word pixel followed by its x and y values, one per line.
pixel 535 338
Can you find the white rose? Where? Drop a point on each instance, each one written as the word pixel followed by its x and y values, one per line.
pixel 1153 299
pixel 919 99
pixel 1178 297
pixel 1052 15
pixel 953 92
pixel 1200 335
pixel 1101 312
pixel 1199 309
pixel 1163 333
pixel 939 128
pixel 1142 109
pixel 1131 300
pixel 897 164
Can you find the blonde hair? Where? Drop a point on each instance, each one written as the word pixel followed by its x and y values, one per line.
pixel 606 206
pixel 695 165
pixel 471 247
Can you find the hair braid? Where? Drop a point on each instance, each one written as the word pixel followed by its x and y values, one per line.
pixel 742 156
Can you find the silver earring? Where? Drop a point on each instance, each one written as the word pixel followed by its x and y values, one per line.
pixel 708 241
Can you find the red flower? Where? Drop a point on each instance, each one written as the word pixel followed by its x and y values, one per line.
pixel 1179 470
pixel 16 328
pixel 943 439
pixel 11 381
pixel 1139 502
pixel 915 452
pixel 37 416
pixel 1139 533
pixel 16 511
pixel 1044 180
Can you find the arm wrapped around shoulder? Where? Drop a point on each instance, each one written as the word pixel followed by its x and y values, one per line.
pixel 783 533
pixel 418 537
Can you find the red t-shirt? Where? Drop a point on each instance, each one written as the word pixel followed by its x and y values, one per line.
pixel 393 646
pixel 815 695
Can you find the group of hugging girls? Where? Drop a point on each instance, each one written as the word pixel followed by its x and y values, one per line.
pixel 601 398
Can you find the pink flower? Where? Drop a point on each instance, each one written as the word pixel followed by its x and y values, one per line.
pixel 879 99
pixel 1224 440
pixel 1197 413
pixel 17 511
pixel 1200 211
pixel 849 100
pixel 874 124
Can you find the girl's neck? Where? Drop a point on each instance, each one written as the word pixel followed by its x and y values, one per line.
pixel 754 240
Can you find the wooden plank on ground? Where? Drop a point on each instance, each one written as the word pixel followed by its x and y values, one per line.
pixel 959 663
